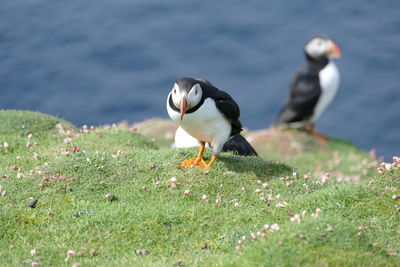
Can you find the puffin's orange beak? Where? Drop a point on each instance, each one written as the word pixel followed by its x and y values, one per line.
pixel 335 53
pixel 184 105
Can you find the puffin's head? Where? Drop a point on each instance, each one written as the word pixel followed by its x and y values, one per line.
pixel 321 47
pixel 186 94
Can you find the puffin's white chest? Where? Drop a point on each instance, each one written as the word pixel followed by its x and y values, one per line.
pixel 329 79
pixel 206 124
pixel 183 139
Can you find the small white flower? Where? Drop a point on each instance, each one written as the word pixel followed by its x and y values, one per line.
pixel 275 227
pixel 259 182
pixel 33 252
pixel 173 180
pixel 253 236
pixel 329 228
pixel 265 185
pixel 296 218
pixel 237 204
pixel 289 184
pixel 70 254
pixel 257 191
pixel 186 192
pixel 388 166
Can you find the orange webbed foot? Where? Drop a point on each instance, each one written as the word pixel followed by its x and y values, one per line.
pixel 194 163
pixel 322 139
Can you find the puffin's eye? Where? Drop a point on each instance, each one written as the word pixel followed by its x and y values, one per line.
pixel 195 92
pixel 174 90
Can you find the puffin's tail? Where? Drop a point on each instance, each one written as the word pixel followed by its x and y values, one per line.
pixel 239 145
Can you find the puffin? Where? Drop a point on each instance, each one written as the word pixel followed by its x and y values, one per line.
pixel 313 87
pixel 205 113
pixel 237 144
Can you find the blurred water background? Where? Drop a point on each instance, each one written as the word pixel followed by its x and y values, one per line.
pixel 100 61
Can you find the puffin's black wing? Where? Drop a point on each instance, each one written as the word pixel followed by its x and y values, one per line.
pixel 304 93
pixel 224 103
pixel 239 145
pixel 227 106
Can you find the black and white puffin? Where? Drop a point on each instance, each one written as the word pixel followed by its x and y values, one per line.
pixel 313 87
pixel 205 113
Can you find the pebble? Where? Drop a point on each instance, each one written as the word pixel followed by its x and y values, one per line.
pixel 152 165
pixel 32 202
pixel 109 197
pixel 204 246
pixel 179 263
pixel 142 251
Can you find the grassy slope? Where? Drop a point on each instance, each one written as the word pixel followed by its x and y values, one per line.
pixel 174 228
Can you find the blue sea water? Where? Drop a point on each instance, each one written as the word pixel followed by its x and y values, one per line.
pixel 101 61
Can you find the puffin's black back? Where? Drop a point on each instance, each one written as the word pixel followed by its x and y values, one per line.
pixel 223 101
pixel 305 91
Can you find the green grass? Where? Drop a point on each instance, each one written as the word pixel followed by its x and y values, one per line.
pixel 176 229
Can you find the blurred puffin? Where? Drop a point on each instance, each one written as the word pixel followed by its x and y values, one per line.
pixel 313 87
pixel 205 113
pixel 237 144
